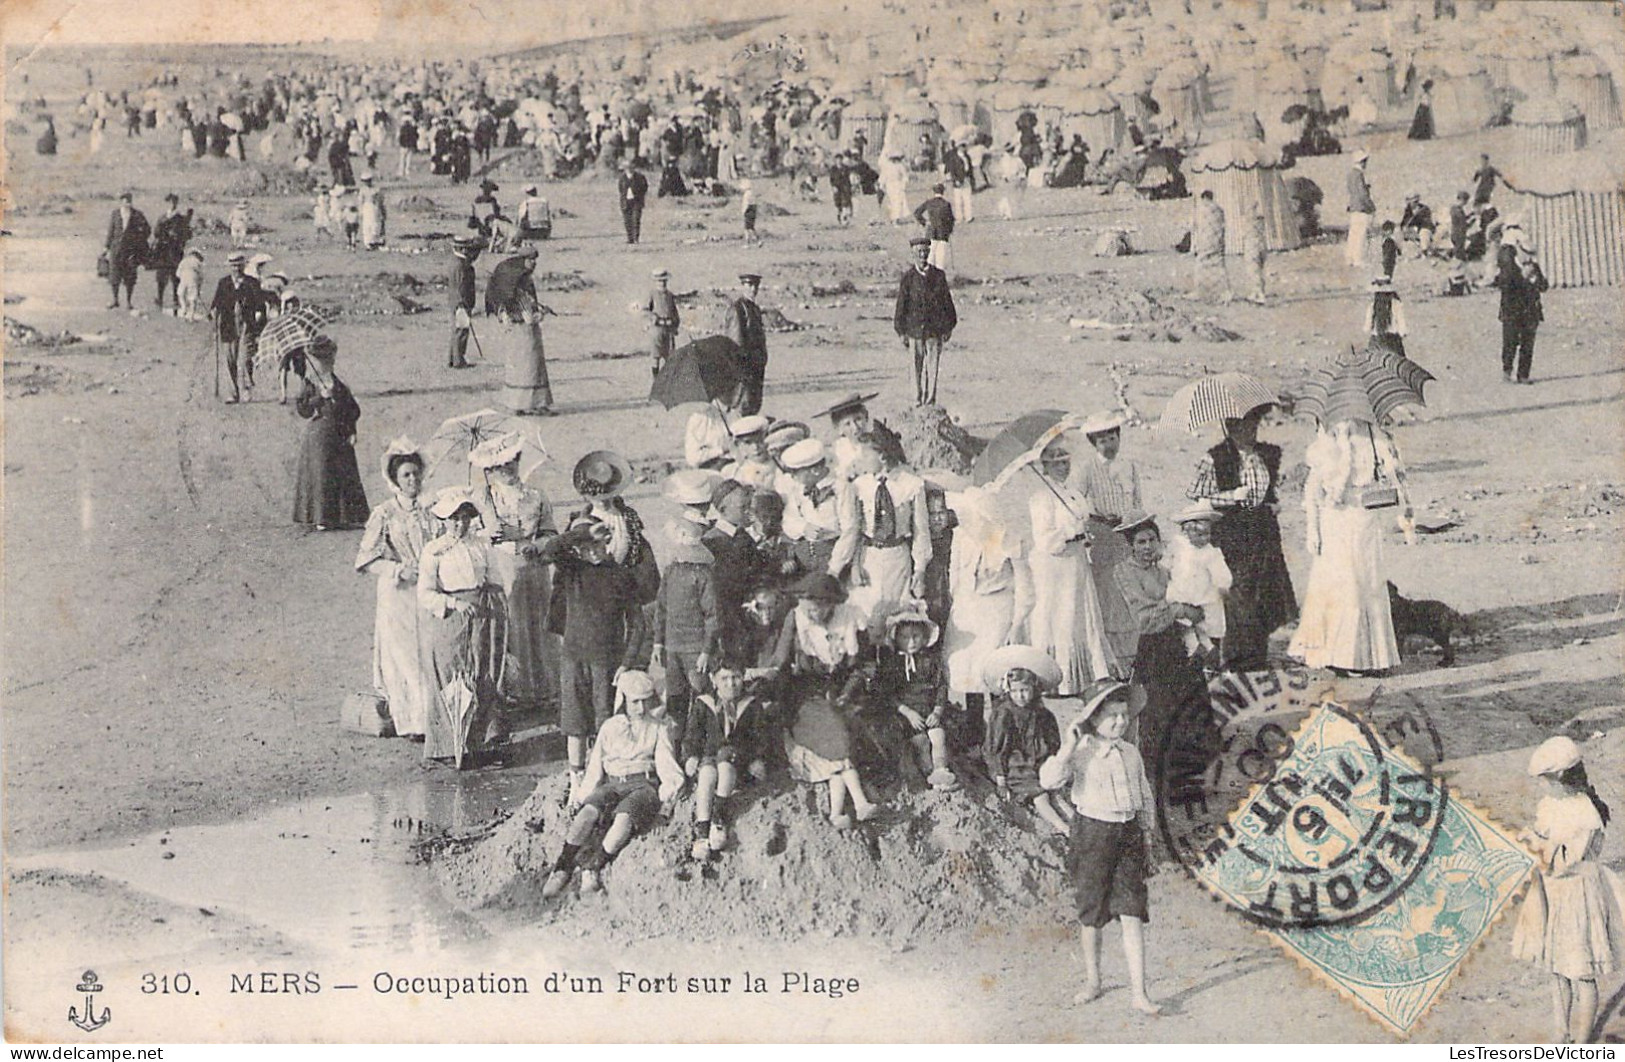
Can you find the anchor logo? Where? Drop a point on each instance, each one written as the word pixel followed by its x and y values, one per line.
pixel 90 1022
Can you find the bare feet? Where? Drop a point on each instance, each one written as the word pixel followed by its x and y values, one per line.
pixel 1088 993
pixel 1144 1005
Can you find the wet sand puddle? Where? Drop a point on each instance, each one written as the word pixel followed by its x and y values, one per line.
pixel 343 873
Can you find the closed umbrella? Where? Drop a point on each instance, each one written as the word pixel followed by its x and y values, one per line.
pixel 1212 400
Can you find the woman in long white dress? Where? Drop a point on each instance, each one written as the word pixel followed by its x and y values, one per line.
pixel 1345 622
pixel 1066 620
pixel 395 536
pixel 1112 484
pixel 982 587
pixel 372 214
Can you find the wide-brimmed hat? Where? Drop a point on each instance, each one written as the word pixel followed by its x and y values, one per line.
pixel 633 686
pixel 1361 155
pixel 751 425
pixel 1381 285
pixel 847 405
pixel 236 258
pixel 804 454
pixel 784 434
pixel 1554 756
pixel 913 615
pixel 1200 511
pixel 467 243
pixel 1102 421
pixel 400 451
pixel 751 278
pixel 819 586
pixel 1110 689
pixel 689 486
pixel 601 474
pixel 497 450
pixel 450 500
pixel 1133 521
pixel 1007 658
pixel 661 274
pixel 323 349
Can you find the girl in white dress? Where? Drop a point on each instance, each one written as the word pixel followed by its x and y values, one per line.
pixel 1066 620
pixel 1573 919
pixel 1356 483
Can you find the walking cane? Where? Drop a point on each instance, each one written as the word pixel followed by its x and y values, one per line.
pixel 215 330
pixel 476 337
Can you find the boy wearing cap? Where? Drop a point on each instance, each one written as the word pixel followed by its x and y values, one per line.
pixel 811 507
pixel 743 324
pixel 738 561
pixel 687 621
pixel 751 464
pixel 664 319
pixel 597 610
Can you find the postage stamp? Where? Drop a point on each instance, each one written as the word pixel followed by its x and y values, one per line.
pixel 1359 863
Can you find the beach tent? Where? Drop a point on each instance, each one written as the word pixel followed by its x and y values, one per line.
pixel 1095 115
pixel 867 116
pixel 1178 90
pixel 1463 94
pixel 909 120
pixel 1546 126
pixel 1245 175
pixel 1575 214
pixel 1584 80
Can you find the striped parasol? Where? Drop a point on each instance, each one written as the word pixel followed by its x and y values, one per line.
pixel 1362 385
pixel 1213 399
pixel 291 332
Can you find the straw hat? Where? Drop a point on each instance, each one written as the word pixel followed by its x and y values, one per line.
pixel 913 614
pixel 1554 756
pixel 397 453
pixel 1200 511
pixel 851 402
pixel 601 474
pixel 1133 521
pixel 751 425
pixel 1110 689
pixel 1102 421
pixel 785 434
pixel 804 454
pixel 689 486
pixel 1000 662
pixel 497 450
pixel 451 500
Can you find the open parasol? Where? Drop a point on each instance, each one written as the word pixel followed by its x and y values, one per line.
pixel 453 440
pixel 698 372
pixel 1213 399
pixel 1362 385
pixel 292 332
pixel 1016 448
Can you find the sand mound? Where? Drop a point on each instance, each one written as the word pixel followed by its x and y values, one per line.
pixel 19 334
pixel 256 180
pixel 931 438
pixel 931 866
pixel 572 281
pixel 1106 310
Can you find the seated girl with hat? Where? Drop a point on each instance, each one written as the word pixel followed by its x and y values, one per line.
pixel 910 693
pixel 1021 731
pixel 632 756
pixel 1113 804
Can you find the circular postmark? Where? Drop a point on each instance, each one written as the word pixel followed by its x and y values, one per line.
pixel 1295 810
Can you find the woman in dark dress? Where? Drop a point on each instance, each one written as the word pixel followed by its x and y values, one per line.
pixel 328 492
pixel 1422 123
pixel 1238 477
pixel 1175 688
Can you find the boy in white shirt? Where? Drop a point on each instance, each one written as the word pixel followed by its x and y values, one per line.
pixel 1199 576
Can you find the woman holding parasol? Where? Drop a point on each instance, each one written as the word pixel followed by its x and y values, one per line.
pixel 328 492
pixel 464 633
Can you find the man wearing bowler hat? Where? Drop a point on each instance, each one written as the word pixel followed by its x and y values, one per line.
pixel 744 326
pixel 633 189
pixel 924 318
pixel 238 312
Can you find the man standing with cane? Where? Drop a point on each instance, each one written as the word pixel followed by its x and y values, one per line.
pixel 924 318
pixel 238 311
pixel 664 320
pixel 464 250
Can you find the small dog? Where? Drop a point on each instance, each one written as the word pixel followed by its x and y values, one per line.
pixel 1433 620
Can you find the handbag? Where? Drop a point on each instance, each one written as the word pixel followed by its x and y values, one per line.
pixel 1378 495
pixel 104 268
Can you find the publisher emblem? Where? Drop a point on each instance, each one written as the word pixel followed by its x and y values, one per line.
pixel 90 1021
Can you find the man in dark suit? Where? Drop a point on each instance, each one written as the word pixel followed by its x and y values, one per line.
pixel 925 319
pixel 169 240
pixel 1521 282
pixel 464 250
pixel 238 312
pixel 127 234
pixel 633 189
pixel 937 215
pixel 744 327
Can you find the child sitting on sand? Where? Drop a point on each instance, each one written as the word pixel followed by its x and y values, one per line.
pixel 912 683
pixel 729 731
pixel 1198 575
pixel 632 754
pixel 1021 732
pixel 1573 919
pixel 1111 796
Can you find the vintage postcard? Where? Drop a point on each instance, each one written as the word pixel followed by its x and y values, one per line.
pixel 971 521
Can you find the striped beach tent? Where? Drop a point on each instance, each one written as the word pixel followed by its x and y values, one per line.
pixel 1575 214
pixel 1244 176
